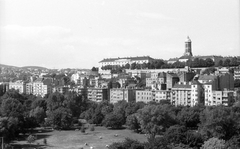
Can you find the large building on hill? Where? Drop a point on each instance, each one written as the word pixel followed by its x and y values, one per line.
pixel 189 56
pixel 125 60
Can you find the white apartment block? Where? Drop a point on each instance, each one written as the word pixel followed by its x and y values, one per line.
pixel 40 89
pixel 20 86
pixel 118 94
pixel 161 95
pixel 144 96
pixel 181 94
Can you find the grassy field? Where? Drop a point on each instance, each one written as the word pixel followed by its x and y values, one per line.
pixel 73 139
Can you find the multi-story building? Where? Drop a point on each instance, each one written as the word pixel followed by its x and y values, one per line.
pixel 172 78
pixel 159 95
pixel 29 88
pixel 144 96
pixel 19 85
pixel 118 94
pixel 41 87
pixel 237 73
pixel 61 89
pixel 97 94
pixel 181 94
pixel 125 60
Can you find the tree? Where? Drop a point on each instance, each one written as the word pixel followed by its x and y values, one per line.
pixel 155 119
pixel 189 117
pixel 31 139
pixel 226 62
pixel 133 123
pixel 133 65
pixel 219 122
pixel 39 114
pixel 60 118
pixel 127 144
pixel 209 62
pixel 214 143
pixel 114 120
pixel 237 83
pixel 9 128
pixel 12 108
pixel 94 69
pixel 127 66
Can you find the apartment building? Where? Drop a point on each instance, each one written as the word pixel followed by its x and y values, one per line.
pixel 159 95
pixel 97 94
pixel 181 94
pixel 144 96
pixel 19 85
pixel 118 94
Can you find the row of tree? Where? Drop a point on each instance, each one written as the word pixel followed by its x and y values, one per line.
pixel 161 64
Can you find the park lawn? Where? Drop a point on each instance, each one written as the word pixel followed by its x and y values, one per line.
pixel 72 139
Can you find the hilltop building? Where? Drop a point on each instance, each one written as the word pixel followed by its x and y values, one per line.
pixel 125 60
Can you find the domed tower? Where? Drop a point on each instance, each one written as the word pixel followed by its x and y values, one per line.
pixel 188 47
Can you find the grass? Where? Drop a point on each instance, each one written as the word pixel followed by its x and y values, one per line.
pixel 72 139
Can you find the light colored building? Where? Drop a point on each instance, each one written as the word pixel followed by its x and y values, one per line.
pixel 237 74
pixel 144 96
pixel 118 94
pixel 125 60
pixel 41 87
pixel 181 94
pixel 161 95
pixel 19 85
pixel 29 88
pixel 97 94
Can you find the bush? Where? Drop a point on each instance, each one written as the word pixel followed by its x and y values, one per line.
pixel 83 129
pixel 31 139
pixel 92 128
pixel 45 141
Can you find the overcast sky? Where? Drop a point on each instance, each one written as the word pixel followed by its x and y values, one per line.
pixel 80 33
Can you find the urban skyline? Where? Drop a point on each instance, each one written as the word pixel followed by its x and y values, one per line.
pixel 78 34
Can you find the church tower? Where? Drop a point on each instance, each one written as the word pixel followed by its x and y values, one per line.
pixel 188 47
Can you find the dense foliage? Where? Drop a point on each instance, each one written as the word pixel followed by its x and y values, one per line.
pixel 164 125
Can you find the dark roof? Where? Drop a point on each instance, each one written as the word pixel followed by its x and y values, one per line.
pixel 186 57
pixel 130 58
pixel 181 85
pixel 207 77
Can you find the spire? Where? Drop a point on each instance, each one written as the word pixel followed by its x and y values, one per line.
pixel 188 39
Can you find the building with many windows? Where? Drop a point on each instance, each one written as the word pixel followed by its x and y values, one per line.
pixel 97 94
pixel 19 85
pixel 125 60
pixel 118 94
pixel 144 96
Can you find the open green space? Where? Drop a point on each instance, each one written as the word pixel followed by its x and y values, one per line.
pixel 75 139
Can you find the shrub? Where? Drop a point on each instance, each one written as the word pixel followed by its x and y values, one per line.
pixel 92 128
pixel 82 129
pixel 31 139
pixel 45 141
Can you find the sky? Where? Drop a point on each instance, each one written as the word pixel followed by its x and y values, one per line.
pixel 80 33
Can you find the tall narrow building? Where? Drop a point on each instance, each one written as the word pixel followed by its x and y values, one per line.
pixel 188 47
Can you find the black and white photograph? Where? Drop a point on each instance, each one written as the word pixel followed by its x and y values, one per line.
pixel 119 74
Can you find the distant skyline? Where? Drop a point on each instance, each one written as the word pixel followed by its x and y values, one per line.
pixel 80 33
